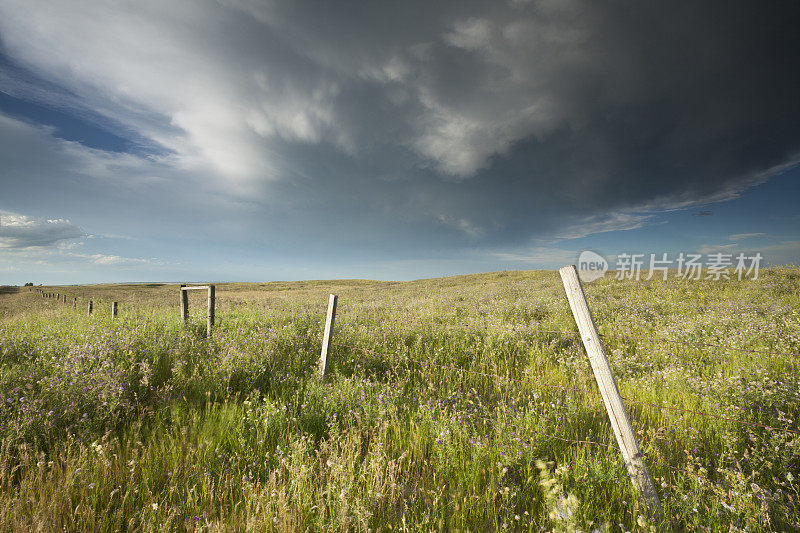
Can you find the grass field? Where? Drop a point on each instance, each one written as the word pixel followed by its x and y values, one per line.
pixel 452 404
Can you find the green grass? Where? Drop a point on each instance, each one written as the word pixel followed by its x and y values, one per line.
pixel 141 423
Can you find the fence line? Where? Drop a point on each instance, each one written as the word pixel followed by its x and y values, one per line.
pixel 527 329
pixel 574 389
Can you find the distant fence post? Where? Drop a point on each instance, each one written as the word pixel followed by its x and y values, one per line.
pixel 623 429
pixel 211 303
pixel 328 337
pixel 74 303
pixel 113 309
pixel 89 309
pixel 184 304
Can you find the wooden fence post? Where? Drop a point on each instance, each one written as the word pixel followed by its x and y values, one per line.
pixel 113 309
pixel 211 303
pixel 89 309
pixel 74 303
pixel 184 304
pixel 626 438
pixel 328 337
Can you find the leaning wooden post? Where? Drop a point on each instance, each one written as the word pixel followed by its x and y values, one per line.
pixel 210 319
pixel 626 438
pixel 89 309
pixel 113 309
pixel 328 337
pixel 184 304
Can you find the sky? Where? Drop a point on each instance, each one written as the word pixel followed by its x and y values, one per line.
pixel 250 140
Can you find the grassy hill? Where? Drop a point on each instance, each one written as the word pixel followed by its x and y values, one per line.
pixel 461 403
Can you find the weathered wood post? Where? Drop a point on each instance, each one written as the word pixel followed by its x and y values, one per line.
pixel 328 337
pixel 89 309
pixel 184 304
pixel 210 319
pixel 623 430
pixel 74 303
pixel 113 309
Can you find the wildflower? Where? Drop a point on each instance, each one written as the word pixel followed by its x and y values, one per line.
pixel 728 507
pixel 154 506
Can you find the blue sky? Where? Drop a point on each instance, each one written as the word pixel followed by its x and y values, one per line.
pixel 243 140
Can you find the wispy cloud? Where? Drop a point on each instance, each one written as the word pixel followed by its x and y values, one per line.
pixel 602 224
pixel 781 253
pixel 539 257
pixel 713 248
pixel 742 236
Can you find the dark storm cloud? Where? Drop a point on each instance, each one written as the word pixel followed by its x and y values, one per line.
pixel 549 114
pixel 428 125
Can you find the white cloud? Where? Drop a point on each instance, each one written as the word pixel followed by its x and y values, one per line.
pixel 463 225
pixel 740 236
pixel 116 260
pixel 60 257
pixel 715 248
pixel 781 253
pixel 20 231
pixel 603 223
pixel 221 99
pixel 54 242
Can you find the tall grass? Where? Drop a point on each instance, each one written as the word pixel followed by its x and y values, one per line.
pixel 141 423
